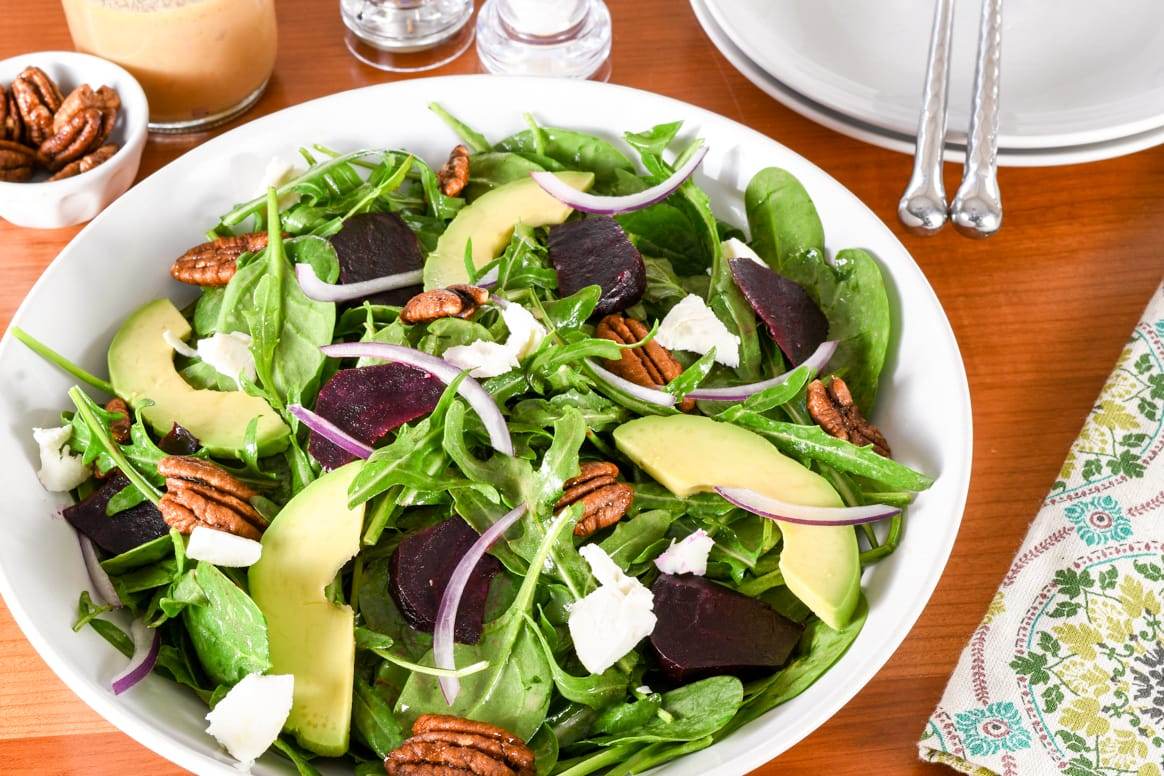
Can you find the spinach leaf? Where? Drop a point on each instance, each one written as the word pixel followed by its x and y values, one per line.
pixel 495 168
pixel 628 717
pixel 142 555
pixel 634 536
pixel 514 692
pixel 596 691
pixel 573 149
pixel 471 137
pixel 374 721
pixel 788 235
pixel 544 746
pixel 572 311
pixel 667 232
pixel 657 754
pixel 693 711
pixel 297 757
pixel 228 631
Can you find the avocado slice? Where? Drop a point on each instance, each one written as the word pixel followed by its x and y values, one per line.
pixel 141 367
pixel 692 454
pixel 311 638
pixel 489 220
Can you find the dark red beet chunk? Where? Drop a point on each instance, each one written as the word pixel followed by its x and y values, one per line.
pixel 705 629
pixel 179 442
pixel 368 402
pixel 420 571
pixel 596 251
pixel 121 532
pixel 372 245
pixel 793 319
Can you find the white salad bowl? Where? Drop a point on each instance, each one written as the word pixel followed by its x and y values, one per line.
pixel 121 259
pixel 44 204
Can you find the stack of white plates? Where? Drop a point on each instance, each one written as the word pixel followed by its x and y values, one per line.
pixel 1081 80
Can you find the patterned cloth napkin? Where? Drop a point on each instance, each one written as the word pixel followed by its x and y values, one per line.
pixel 1065 675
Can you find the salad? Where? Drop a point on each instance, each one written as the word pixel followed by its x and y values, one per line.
pixel 525 464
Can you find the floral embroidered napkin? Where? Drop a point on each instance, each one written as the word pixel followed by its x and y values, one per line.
pixel 1065 675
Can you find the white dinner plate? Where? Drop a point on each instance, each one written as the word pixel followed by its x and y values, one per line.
pixel 1073 71
pixel 903 142
pixel 121 260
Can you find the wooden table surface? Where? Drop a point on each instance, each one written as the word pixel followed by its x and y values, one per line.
pixel 1041 311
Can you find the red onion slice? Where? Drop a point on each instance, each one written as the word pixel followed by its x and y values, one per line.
pixel 608 206
pixel 146 643
pixel 446 619
pixel 817 361
pixel 648 395
pixel 330 431
pixel 489 279
pixel 471 390
pixel 102 585
pixel 320 291
pixel 775 509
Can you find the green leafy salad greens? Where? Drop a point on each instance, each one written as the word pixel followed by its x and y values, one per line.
pixel 524 673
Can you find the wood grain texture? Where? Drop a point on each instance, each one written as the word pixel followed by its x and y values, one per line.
pixel 1040 311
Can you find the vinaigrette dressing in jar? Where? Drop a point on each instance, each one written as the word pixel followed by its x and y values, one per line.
pixel 201 62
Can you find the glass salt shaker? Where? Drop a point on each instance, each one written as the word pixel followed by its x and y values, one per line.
pixel 564 38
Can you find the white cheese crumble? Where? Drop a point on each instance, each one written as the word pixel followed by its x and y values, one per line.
pixel 248 718
pixel 222 548
pixel 277 172
pixel 228 354
pixel 689 556
pixel 609 622
pixel 738 249
pixel 691 325
pixel 490 359
pixel 59 470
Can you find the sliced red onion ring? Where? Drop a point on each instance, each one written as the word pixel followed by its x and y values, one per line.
pixel 146 643
pixel 648 395
pixel 489 279
pixel 471 390
pixel 446 619
pixel 314 288
pixel 775 509
pixel 330 431
pixel 102 585
pixel 608 206
pixel 817 361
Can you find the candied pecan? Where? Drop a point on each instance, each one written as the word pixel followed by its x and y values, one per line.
pixel 455 172
pixel 104 100
pixel 458 301
pixel 11 127
pixel 37 98
pixel 833 410
pixel 213 263
pixel 650 366
pixel 119 427
pixel 199 492
pixel 86 163
pixel 16 161
pixel 76 138
pixel 451 746
pixel 604 499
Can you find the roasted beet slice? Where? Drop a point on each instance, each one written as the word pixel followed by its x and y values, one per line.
pixel 368 402
pixel 179 441
pixel 120 532
pixel 420 570
pixel 371 245
pixel 793 319
pixel 596 251
pixel 705 629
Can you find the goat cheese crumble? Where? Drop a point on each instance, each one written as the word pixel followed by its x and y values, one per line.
pixel 249 718
pixel 689 556
pixel 229 354
pixel 609 622
pixel 691 325
pixel 490 359
pixel 59 469
pixel 222 548
pixel 734 248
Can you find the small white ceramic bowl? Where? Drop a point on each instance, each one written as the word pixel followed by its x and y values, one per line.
pixel 43 204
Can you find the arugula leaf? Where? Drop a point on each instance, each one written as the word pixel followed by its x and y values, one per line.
pixel 228 632
pixel 632 537
pixel 573 150
pixel 596 691
pixel 89 614
pixel 471 137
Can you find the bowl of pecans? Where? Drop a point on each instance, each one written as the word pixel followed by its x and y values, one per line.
pixel 72 129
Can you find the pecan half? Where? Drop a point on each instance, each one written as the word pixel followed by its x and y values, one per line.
pixel 604 499
pixel 76 138
pixel 11 126
pixel 650 366
pixel 833 410
pixel 213 263
pixel 105 101
pixel 86 162
pixel 37 98
pixel 119 427
pixel 16 161
pixel 450 746
pixel 459 301
pixel 199 492
pixel 455 172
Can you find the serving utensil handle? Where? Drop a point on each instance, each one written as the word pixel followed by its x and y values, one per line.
pixel 922 208
pixel 977 208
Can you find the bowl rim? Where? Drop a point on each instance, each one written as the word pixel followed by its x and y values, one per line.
pixel 960 415
pixel 136 129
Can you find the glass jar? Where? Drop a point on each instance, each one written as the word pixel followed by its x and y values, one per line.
pixel 201 62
